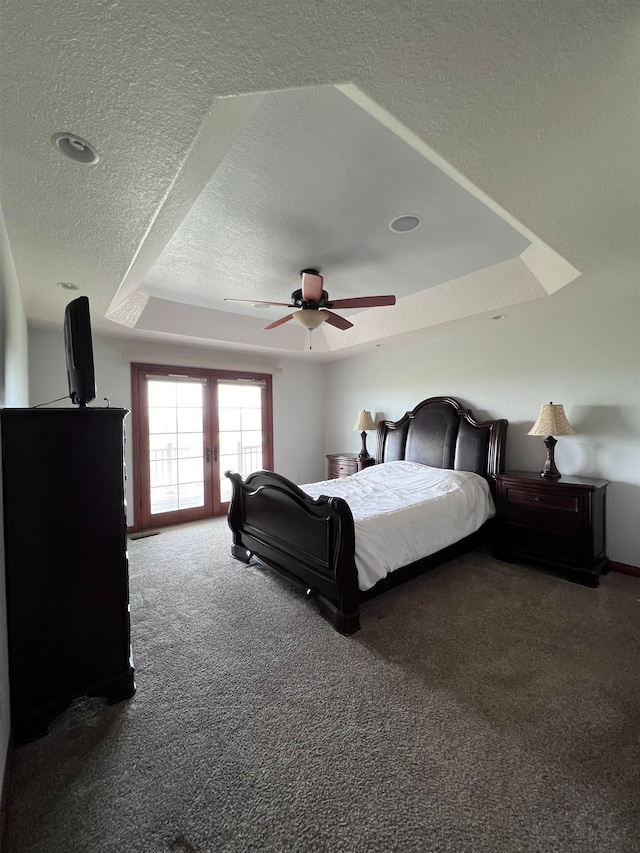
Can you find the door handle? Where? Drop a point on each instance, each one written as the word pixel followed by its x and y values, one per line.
pixel 215 454
pixel 207 454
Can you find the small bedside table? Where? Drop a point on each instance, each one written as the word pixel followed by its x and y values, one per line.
pixel 558 522
pixel 343 464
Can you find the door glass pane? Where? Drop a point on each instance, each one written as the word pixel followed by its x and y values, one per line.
pixel 189 394
pixel 231 443
pixel 176 452
pixel 240 427
pixel 191 444
pixel 239 394
pixel 162 394
pixel 162 419
pixel 164 499
pixel 251 439
pixel 229 419
pixel 189 471
pixel 190 419
pixel 191 494
pixel 252 419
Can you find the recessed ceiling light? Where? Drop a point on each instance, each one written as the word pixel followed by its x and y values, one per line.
pixel 75 148
pixel 67 285
pixel 406 222
pixel 500 317
pixel 261 305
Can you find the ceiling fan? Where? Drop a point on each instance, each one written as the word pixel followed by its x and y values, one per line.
pixel 313 304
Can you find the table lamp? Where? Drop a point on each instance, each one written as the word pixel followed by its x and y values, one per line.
pixel 364 422
pixel 551 421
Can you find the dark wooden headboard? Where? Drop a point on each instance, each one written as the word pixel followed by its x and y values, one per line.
pixel 440 433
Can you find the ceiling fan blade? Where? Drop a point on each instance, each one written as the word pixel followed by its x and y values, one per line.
pixel 311 286
pixel 259 302
pixel 337 321
pixel 362 302
pixel 277 322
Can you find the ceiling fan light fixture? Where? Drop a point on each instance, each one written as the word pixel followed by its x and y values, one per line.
pixel 309 318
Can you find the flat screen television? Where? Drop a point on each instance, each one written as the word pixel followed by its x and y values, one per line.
pixel 79 349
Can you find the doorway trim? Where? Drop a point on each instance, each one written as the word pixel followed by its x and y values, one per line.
pixel 139 372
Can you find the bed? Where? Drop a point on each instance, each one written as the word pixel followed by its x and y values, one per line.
pixel 311 540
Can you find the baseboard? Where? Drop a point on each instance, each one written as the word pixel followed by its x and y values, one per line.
pixel 624 569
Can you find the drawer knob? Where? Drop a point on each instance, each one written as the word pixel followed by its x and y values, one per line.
pixel 537 499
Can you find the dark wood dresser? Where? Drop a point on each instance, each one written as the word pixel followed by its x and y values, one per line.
pixel 557 522
pixel 66 561
pixel 343 464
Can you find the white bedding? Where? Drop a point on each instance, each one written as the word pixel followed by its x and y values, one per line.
pixel 404 511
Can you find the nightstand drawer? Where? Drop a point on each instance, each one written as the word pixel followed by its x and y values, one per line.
pixel 345 464
pixel 542 499
pixel 562 525
pixel 341 464
pixel 549 548
pixel 342 469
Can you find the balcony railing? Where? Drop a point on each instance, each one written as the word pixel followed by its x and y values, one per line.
pixel 164 471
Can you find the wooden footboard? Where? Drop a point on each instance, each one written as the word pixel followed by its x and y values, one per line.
pixel 311 542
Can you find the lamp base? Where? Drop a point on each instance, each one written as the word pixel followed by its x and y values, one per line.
pixel 549 470
pixel 364 453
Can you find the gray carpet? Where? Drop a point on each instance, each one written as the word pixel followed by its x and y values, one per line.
pixel 482 707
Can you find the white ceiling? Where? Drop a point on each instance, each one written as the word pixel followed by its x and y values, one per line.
pixel 241 143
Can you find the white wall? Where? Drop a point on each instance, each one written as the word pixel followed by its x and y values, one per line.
pixel 298 390
pixel 13 331
pixel 580 348
pixel 13 392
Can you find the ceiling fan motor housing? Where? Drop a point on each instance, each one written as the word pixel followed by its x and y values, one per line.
pixel 299 302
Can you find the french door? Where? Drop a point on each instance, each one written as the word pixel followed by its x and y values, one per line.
pixel 189 427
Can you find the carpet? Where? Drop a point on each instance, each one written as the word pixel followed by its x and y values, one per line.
pixel 484 707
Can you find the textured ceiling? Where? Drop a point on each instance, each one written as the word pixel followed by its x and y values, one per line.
pixel 241 142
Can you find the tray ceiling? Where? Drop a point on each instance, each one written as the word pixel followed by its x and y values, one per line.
pixel 196 197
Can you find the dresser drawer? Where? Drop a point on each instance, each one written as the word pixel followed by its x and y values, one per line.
pixel 542 499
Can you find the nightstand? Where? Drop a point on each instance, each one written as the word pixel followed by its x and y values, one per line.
pixel 343 464
pixel 557 522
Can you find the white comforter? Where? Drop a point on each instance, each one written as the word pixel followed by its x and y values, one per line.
pixel 404 511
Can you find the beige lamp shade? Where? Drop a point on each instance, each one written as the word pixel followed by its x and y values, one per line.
pixel 551 421
pixel 364 421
